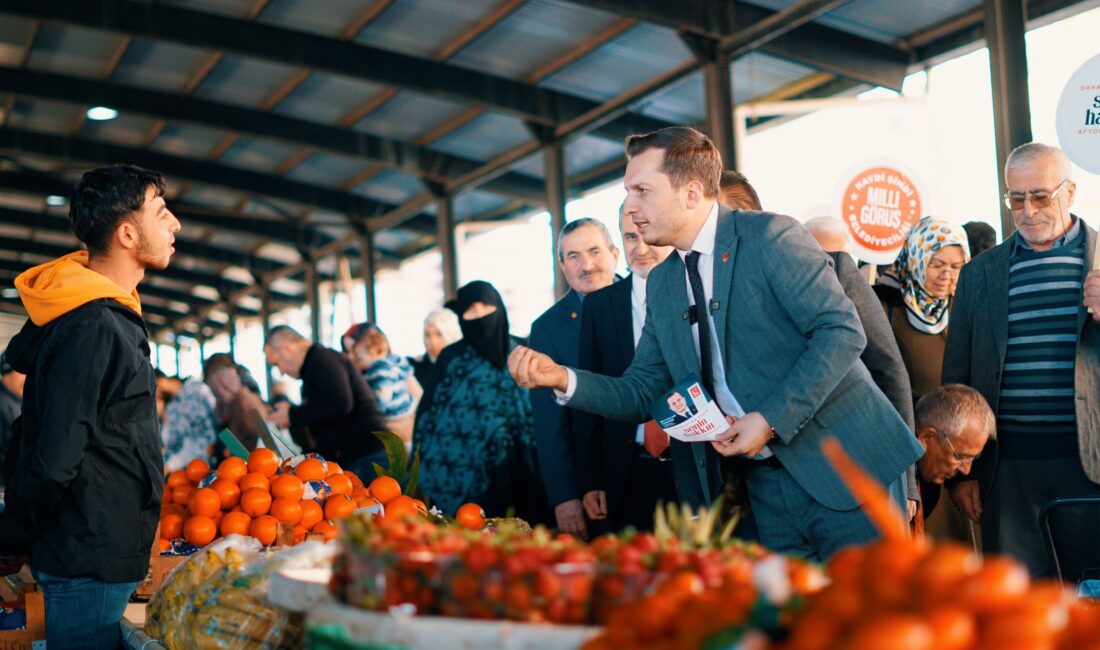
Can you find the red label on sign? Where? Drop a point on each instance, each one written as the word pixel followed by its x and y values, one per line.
pixel 880 205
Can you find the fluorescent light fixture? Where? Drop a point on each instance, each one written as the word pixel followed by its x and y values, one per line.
pixel 10 292
pixel 55 200
pixel 100 113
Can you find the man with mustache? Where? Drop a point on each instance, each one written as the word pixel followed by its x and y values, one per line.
pixel 587 258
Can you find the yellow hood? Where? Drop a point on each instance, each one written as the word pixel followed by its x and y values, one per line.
pixel 55 288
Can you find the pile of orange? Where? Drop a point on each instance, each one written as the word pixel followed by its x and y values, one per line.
pixel 253 497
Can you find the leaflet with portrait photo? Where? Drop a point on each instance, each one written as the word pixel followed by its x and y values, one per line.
pixel 688 413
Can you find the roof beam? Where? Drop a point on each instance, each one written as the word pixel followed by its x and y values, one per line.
pixel 85 149
pixel 296 48
pixel 418 161
pixel 814 45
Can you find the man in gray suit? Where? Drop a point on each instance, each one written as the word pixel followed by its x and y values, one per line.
pixel 1022 336
pixel 752 306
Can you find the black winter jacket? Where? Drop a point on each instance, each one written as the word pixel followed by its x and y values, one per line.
pixel 86 473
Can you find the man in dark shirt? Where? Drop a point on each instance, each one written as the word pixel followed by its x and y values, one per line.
pixel 337 406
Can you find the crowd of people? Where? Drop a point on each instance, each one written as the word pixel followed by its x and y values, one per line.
pixel 963 364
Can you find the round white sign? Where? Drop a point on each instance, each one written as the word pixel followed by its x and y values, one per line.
pixel 1078 118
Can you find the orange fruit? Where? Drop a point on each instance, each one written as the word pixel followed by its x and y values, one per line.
pixel 235 523
pixel 892 632
pixel 204 501
pixel 263 461
pixel 953 628
pixel 355 480
pixel 287 486
pixel 360 492
pixel 287 511
pixel 197 470
pixel 200 530
pixel 264 528
pixel 311 513
pixel 298 534
pixel 339 483
pixel 333 468
pixel 173 508
pixel 470 515
pixel 255 480
pixel 233 468
pixel 181 494
pixel 171 526
pixel 177 479
pixel 228 491
pixel 311 469
pixel 255 502
pixel 339 506
pixel 401 507
pixel 326 528
pixel 385 488
pixel 164 545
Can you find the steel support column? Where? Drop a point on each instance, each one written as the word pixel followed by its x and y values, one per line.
pixel 556 194
pixel 1005 27
pixel 313 296
pixel 176 345
pixel 369 267
pixel 716 76
pixel 445 234
pixel 231 330
pixel 265 316
pixel 201 340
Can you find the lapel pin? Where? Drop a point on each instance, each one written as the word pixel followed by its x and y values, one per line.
pixel 725 257
pixel 573 315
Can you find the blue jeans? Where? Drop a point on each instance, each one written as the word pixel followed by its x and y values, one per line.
pixel 82 612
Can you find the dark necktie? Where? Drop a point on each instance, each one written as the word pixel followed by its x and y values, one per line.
pixel 702 317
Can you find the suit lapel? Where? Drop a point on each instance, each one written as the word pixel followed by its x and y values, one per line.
pixel 725 250
pixel 996 284
pixel 674 298
pixel 622 311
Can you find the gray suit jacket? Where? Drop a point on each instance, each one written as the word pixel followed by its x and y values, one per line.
pixel 790 341
pixel 977 337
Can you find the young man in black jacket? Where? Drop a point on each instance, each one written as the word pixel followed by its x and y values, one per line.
pixel 85 468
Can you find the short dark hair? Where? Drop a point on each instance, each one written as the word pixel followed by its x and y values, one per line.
pixel 738 193
pixel 106 196
pixel 689 156
pixel 981 236
pixel 216 362
pixel 282 334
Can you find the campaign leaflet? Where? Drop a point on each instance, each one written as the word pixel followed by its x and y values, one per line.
pixel 688 413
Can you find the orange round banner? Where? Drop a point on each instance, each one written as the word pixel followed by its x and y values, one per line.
pixel 879 206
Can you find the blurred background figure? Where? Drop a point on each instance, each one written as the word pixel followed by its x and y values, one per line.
pixel 831 234
pixel 11 404
pixel 474 426
pixel 981 236
pixel 389 376
pixel 440 330
pixel 736 193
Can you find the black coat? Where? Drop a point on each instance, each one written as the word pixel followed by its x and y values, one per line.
pixel 83 496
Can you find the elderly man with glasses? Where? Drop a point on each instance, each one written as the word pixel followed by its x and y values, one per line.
pixel 953 424
pixel 1022 335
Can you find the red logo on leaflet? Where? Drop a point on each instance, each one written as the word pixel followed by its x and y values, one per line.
pixel 880 205
pixel 695 390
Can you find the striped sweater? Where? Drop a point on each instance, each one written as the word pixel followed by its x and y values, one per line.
pixel 1036 415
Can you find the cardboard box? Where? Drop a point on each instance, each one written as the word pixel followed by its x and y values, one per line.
pixel 34 636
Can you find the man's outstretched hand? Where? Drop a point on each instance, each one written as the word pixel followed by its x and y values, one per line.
pixel 533 369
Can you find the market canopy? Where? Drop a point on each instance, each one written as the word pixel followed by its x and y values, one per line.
pixel 295 136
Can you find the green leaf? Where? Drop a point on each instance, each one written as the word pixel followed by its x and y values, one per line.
pixel 396 455
pixel 414 474
pixel 379 470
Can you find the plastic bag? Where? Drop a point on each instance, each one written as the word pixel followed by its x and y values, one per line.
pixel 235 614
pixel 186 588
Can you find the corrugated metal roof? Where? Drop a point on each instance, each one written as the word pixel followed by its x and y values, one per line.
pixel 235 8
pixel 327 98
pixel 408 115
pixel 638 55
pixel 390 187
pixel 306 16
pixel 72 50
pixel 469 204
pixel 189 141
pixel 421 27
pixel 886 21
pixel 257 155
pixel 45 115
pixel 163 66
pixel 327 170
pixel 126 129
pixel 247 82
pixel 482 138
pixel 14 31
pixel 537 32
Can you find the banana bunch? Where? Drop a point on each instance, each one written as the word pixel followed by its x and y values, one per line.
pixel 694 530
pixel 187 589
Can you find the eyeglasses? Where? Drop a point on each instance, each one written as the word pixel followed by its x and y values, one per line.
pixel 961 459
pixel 1040 199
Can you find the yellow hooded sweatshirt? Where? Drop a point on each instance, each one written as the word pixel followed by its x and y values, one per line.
pixel 56 288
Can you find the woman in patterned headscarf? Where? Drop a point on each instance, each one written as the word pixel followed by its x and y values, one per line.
pixel 919 309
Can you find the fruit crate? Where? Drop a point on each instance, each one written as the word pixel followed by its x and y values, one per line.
pixel 34 636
